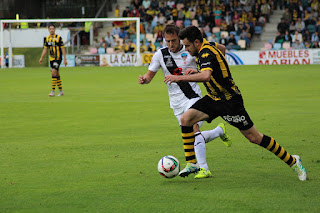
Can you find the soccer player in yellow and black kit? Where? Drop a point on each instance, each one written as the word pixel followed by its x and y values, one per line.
pixel 223 99
pixel 54 43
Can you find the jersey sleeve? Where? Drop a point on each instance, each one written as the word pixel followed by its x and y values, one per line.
pixel 45 42
pixel 155 62
pixel 61 44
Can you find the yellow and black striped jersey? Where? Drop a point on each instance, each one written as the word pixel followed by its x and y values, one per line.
pixel 54 43
pixel 221 85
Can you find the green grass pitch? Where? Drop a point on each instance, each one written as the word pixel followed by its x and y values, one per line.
pixel 96 149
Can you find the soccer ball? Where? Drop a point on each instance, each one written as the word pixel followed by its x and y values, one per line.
pixel 169 166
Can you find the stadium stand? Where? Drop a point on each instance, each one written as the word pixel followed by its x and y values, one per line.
pixel 299 27
pixel 221 21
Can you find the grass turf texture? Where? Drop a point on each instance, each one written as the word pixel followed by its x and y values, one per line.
pixel 96 149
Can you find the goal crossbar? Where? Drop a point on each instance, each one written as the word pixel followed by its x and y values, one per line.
pixel 136 19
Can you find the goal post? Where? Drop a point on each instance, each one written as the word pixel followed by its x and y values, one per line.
pixel 93 20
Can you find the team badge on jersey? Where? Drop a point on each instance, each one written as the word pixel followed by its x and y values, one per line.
pixel 184 56
pixel 204 55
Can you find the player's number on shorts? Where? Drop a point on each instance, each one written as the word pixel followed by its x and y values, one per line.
pixel 177 71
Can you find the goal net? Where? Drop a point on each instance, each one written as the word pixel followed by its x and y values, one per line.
pixel 30 33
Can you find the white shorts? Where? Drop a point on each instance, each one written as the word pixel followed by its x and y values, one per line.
pixel 178 111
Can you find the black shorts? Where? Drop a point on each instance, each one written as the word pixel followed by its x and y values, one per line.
pixel 55 64
pixel 232 111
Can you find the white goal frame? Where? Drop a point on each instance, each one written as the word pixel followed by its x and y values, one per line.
pixel 136 19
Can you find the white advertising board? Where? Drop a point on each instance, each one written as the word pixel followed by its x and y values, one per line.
pixel 18 61
pixel 118 60
pixel 278 57
pixel 242 57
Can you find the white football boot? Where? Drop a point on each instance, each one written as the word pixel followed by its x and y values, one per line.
pixel 299 169
pixel 190 168
pixel 52 93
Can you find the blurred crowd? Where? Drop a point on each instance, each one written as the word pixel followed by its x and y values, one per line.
pixel 229 22
pixel 299 26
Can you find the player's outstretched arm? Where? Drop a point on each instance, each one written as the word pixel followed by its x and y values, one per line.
pixel 147 78
pixel 190 71
pixel 64 56
pixel 203 76
pixel 44 51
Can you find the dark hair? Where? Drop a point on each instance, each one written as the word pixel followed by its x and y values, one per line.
pixel 51 25
pixel 171 29
pixel 191 33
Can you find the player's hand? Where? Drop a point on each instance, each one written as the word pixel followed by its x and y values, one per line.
pixel 142 79
pixel 40 60
pixel 190 71
pixel 171 78
pixel 65 62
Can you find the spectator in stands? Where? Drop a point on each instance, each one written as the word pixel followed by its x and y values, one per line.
pixel 279 38
pixel 224 26
pixel 228 17
pixel 297 36
pixel 149 27
pixel 223 40
pixel 298 45
pixel 126 12
pixel 315 45
pixel 292 27
pixel 117 11
pixel 213 38
pixel 306 36
pixel 146 3
pixel 171 4
pixel 174 13
pixel 150 13
pixel 154 4
pixel 217 15
pixel 123 33
pixel 231 42
pixel 239 7
pixel 247 7
pixel 287 37
pixel 283 26
pixel 118 48
pixel 103 43
pixel 135 12
pixel 278 2
pixel 115 30
pixel 315 5
pixel 231 27
pixel 256 10
pixel 142 12
pixel 300 25
pixel 315 37
pixel 306 18
pixel 143 47
pixel 162 19
pixel 245 36
pixel 109 40
pixel 132 29
pixel 159 36
pixel 313 17
pixel 181 14
pixel 287 16
pixel 318 24
pixel 295 15
pixel 265 10
pixel 130 47
pixel 158 28
pixel 151 47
